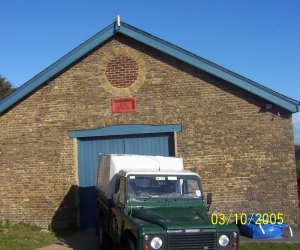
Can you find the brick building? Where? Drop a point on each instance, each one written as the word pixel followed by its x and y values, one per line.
pixel 125 91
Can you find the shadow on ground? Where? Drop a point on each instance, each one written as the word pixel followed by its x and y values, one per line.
pixel 80 240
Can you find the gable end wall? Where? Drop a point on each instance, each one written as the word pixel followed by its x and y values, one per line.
pixel 244 154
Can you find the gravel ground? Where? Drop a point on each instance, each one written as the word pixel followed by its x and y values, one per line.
pixel 55 247
pixel 86 240
pixel 82 240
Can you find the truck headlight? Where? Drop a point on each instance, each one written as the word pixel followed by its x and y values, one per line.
pixel 156 243
pixel 223 240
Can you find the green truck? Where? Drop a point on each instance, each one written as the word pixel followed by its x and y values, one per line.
pixel 151 202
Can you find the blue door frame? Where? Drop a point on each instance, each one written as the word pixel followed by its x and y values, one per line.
pixel 130 139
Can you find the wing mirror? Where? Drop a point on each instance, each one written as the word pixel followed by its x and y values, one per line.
pixel 115 199
pixel 209 199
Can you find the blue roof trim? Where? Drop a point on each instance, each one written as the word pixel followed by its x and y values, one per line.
pixel 159 44
pixel 210 67
pixel 57 67
pixel 126 130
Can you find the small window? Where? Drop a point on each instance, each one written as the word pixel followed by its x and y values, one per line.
pixel 193 187
pixel 122 190
pixel 103 174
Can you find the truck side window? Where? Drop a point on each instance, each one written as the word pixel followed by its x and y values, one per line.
pixel 193 187
pixel 121 190
pixel 184 187
pixel 117 185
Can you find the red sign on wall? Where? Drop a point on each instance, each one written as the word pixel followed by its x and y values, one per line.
pixel 123 105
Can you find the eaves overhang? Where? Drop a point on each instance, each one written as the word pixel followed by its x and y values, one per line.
pixel 49 73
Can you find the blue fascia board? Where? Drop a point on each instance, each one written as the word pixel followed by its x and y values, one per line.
pixel 209 67
pixel 57 67
pixel 126 130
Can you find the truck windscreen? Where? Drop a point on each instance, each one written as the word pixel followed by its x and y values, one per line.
pixel 154 186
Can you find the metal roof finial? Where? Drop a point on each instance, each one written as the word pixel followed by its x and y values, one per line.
pixel 118 21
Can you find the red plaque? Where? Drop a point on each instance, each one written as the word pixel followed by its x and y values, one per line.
pixel 123 105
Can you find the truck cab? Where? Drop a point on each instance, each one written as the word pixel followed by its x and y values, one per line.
pixel 151 202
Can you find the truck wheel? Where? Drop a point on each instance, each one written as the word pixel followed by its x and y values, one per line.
pixel 102 238
pixel 128 245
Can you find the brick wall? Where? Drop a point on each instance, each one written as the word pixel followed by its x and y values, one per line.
pixel 244 154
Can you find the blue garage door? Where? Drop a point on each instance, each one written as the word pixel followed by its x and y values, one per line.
pixel 90 148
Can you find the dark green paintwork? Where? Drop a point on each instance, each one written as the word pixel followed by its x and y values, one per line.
pixel 174 218
pixel 157 217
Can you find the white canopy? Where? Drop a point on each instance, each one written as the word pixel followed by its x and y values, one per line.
pixel 111 164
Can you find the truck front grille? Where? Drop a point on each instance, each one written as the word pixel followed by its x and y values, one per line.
pixel 199 241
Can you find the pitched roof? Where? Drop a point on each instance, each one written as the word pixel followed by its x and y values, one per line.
pixel 159 44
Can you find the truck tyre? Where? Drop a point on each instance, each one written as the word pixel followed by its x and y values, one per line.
pixel 128 245
pixel 102 237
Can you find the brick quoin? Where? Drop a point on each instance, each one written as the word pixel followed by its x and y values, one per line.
pixel 121 71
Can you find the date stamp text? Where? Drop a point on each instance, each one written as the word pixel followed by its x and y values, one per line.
pixel 244 219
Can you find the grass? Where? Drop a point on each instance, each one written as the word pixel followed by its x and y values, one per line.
pixel 270 246
pixel 27 237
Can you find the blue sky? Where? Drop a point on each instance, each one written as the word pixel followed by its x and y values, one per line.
pixel 257 39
